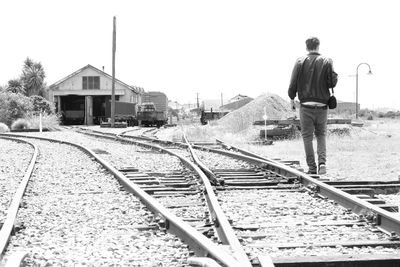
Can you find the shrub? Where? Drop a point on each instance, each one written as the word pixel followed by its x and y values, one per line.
pixel 13 106
pixel 4 128
pixel 390 114
pixel 49 121
pixel 20 124
pixel 41 104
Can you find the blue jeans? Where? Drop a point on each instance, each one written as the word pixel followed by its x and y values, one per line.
pixel 314 121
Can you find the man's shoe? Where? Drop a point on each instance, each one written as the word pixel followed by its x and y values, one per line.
pixel 312 172
pixel 322 169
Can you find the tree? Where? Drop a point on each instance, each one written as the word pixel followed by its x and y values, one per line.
pixel 33 77
pixel 41 104
pixel 15 86
pixel 13 106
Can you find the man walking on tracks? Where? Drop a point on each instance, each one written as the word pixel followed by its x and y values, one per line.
pixel 311 79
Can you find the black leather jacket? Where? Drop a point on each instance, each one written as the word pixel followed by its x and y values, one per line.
pixel 311 79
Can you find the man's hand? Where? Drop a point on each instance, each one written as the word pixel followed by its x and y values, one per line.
pixel 292 104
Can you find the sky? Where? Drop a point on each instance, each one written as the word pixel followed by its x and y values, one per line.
pixel 208 48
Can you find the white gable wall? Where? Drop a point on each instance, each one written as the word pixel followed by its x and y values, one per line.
pixel 74 84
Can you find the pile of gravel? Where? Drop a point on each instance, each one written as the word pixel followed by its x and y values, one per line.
pixel 275 106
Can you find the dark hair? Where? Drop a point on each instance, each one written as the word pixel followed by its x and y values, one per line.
pixel 312 43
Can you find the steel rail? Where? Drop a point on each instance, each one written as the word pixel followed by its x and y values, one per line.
pixel 245 152
pixel 223 227
pixel 12 212
pixel 173 224
pixel 384 219
pixel 221 224
pixel 202 262
pixel 16 259
pixel 146 138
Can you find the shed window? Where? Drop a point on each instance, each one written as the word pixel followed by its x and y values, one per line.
pixel 90 82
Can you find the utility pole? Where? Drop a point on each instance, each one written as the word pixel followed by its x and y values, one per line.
pixel 113 73
pixel 222 100
pixel 198 104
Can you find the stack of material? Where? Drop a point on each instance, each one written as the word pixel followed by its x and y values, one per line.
pixel 274 106
pixel 116 125
pixel 280 132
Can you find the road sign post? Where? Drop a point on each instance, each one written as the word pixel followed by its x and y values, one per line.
pixel 265 117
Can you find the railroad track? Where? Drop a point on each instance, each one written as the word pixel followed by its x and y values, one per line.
pixel 365 224
pixel 306 208
pixel 12 196
pixel 150 233
pixel 200 244
pixel 213 224
pixel 372 225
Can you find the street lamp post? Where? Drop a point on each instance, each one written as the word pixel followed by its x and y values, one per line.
pixel 357 84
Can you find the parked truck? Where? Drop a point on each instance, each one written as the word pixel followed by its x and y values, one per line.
pixel 153 110
pixel 124 112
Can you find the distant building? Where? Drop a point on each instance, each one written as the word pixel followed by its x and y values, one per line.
pixel 81 97
pixel 233 103
pixel 237 98
pixel 189 106
pixel 236 104
pixel 174 105
pixel 209 104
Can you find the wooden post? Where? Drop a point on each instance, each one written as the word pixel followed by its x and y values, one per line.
pixel 265 117
pixel 40 121
pixel 113 74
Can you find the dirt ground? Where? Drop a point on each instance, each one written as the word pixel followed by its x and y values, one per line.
pixel 371 152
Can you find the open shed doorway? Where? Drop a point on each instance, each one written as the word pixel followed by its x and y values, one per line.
pixel 99 108
pixel 73 109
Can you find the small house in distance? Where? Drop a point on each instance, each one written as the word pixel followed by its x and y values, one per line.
pixel 84 96
pixel 233 105
pixel 237 98
pixel 210 104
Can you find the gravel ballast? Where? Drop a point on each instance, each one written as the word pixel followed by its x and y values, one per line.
pixel 292 218
pixel 74 213
pixel 299 211
pixel 218 161
pixel 14 160
pixel 122 155
pixel 118 154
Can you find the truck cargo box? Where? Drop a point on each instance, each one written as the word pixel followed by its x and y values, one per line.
pixel 121 108
pixel 159 99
